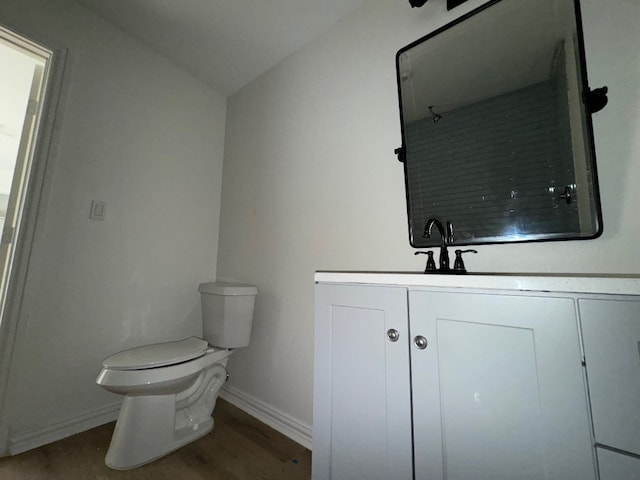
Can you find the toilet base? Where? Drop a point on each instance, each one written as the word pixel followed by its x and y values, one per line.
pixel 151 426
pixel 141 436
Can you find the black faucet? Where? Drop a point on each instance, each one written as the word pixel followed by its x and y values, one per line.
pixel 446 238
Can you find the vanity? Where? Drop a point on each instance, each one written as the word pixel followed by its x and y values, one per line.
pixel 483 377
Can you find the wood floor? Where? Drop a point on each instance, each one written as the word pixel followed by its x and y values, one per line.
pixel 239 448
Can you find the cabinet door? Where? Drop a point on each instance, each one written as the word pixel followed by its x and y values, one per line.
pixel 615 466
pixel 498 392
pixel 362 408
pixel 611 334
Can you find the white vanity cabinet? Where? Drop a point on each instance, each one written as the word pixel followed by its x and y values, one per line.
pixel 425 383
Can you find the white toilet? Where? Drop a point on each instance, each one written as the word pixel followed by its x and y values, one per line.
pixel 171 388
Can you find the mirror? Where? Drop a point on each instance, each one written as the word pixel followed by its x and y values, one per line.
pixel 496 126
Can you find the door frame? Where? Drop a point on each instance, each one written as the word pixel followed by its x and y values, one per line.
pixel 34 209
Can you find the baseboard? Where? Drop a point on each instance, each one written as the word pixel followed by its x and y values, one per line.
pixel 5 432
pixel 276 419
pixel 66 428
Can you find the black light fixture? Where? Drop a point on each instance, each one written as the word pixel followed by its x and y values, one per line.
pixel 450 3
pixel 596 99
pixel 454 3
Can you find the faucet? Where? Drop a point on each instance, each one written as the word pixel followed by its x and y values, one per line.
pixel 446 238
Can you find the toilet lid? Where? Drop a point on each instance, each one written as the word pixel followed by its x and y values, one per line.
pixel 157 355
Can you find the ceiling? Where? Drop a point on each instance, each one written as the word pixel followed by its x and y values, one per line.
pixel 225 43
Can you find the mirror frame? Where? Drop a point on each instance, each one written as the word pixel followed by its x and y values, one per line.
pixel 590 158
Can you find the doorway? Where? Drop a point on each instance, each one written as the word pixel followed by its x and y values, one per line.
pixel 25 66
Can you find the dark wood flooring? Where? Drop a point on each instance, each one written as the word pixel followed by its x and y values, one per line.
pixel 239 448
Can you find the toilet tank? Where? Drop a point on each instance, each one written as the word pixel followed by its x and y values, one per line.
pixel 227 313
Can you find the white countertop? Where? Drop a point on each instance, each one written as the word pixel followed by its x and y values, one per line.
pixel 571 283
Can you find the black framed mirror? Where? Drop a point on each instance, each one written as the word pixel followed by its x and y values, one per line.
pixel 495 112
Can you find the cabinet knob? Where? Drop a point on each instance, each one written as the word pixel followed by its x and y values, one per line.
pixel 393 334
pixel 420 342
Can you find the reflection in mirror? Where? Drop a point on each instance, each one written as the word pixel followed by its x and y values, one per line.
pixel 496 137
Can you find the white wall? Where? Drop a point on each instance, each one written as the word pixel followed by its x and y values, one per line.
pixel 311 183
pixel 142 135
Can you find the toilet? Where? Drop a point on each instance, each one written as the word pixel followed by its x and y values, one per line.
pixel 170 389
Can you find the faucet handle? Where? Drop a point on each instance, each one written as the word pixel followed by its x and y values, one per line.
pixel 431 263
pixel 458 264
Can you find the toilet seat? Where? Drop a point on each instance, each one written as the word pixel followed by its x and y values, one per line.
pixel 157 355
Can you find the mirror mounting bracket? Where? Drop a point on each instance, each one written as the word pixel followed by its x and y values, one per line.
pixel 596 99
pixel 401 153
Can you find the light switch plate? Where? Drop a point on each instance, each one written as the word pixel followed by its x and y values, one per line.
pixel 98 210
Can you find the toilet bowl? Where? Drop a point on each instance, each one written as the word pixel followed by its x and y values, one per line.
pixel 171 388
